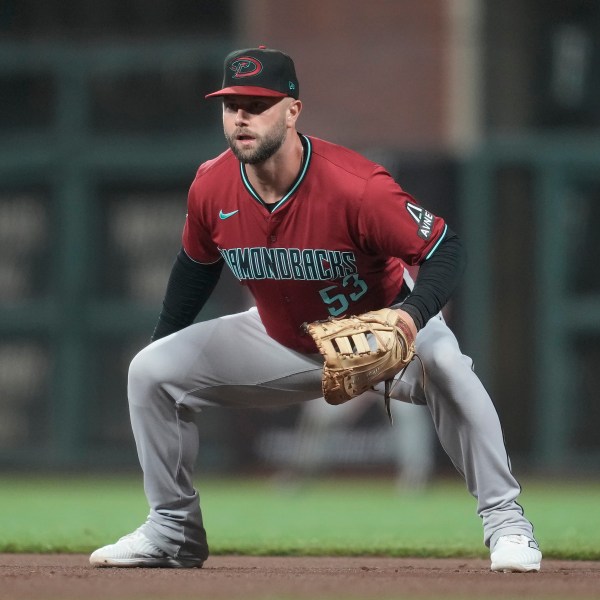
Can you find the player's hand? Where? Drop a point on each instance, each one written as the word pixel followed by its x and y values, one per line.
pixel 408 320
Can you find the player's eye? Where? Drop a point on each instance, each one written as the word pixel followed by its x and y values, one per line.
pixel 257 107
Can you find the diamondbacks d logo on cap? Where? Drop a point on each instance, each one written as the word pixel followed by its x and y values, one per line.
pixel 245 66
pixel 258 72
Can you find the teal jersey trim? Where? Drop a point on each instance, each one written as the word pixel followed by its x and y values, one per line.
pixel 438 242
pixel 248 185
pixel 298 181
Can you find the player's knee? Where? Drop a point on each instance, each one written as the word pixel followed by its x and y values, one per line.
pixel 147 371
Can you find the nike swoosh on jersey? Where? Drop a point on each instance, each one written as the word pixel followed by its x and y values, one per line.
pixel 224 216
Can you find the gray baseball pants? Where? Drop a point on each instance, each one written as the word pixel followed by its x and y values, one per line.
pixel 231 361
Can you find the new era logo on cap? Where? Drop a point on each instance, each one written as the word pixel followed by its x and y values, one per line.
pixel 258 72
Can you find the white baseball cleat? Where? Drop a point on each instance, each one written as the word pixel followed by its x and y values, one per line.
pixel 136 550
pixel 516 554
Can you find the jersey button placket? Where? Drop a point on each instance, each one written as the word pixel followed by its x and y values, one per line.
pixel 271 233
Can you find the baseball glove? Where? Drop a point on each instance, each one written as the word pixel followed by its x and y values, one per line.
pixel 361 351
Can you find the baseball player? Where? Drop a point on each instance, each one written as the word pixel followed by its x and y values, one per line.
pixel 314 230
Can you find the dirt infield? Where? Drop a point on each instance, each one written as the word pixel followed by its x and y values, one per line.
pixel 66 577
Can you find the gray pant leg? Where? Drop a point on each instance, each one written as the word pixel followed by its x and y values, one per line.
pixel 413 442
pixel 166 438
pixel 468 428
pixel 228 361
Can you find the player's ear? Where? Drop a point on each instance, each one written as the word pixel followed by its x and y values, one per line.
pixel 293 110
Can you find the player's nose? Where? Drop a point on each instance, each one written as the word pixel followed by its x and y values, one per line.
pixel 241 117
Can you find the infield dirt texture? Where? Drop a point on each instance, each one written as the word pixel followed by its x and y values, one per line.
pixel 66 577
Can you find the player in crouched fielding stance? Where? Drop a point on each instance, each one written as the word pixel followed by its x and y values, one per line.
pixel 315 231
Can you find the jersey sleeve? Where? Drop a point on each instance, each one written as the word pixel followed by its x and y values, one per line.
pixel 196 239
pixel 393 223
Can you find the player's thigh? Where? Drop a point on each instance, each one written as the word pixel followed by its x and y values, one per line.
pixel 228 361
pixel 438 363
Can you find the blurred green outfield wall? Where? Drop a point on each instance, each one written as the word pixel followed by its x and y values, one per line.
pixel 98 145
pixel 91 208
pixel 529 209
pixel 93 182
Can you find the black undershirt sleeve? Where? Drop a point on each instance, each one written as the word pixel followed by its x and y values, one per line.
pixel 189 287
pixel 436 281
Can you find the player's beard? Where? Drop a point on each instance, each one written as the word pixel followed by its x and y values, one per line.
pixel 266 145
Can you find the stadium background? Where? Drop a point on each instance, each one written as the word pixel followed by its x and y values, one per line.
pixel 486 110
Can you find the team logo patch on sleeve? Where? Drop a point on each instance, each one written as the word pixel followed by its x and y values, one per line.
pixel 422 218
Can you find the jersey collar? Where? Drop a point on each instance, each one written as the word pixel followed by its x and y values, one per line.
pixel 304 168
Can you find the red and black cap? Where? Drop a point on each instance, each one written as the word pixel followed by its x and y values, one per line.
pixel 258 72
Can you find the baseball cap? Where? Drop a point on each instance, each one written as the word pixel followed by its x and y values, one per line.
pixel 258 71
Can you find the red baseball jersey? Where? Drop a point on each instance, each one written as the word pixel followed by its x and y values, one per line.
pixel 334 245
